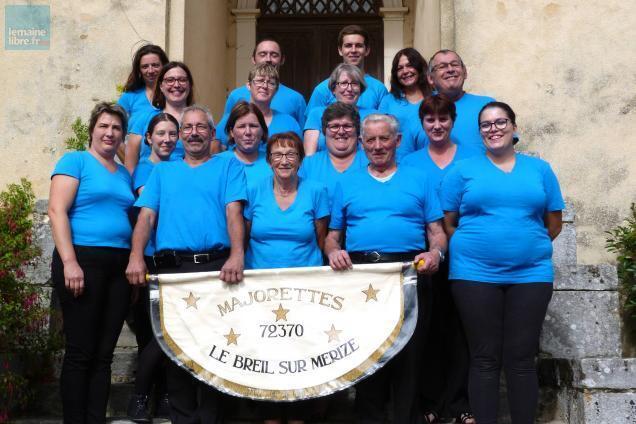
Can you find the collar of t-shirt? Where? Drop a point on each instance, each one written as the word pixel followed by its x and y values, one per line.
pixel 382 179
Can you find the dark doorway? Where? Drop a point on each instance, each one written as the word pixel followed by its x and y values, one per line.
pixel 310 41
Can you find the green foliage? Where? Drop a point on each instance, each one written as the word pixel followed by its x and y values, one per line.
pixel 622 241
pixel 26 344
pixel 80 139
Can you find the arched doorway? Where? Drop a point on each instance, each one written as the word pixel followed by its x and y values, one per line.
pixel 308 31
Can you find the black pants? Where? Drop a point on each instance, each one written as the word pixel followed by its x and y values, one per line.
pixel 502 323
pixel 92 323
pixel 397 380
pixel 445 360
pixel 190 400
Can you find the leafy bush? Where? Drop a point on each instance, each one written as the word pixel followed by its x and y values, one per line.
pixel 81 136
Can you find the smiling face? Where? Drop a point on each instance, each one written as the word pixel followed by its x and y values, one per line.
pixel 353 49
pixel 407 75
pixel 380 144
pixel 150 66
pixel 196 134
pixel 163 139
pixel 341 137
pixel 438 128
pixel 448 73
pixel 347 89
pixel 497 130
pixel 284 160
pixel 175 86
pixel 107 135
pixel 247 133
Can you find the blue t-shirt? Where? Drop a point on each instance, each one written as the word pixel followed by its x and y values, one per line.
pixel 386 216
pixel 466 128
pixel 99 213
pixel 140 127
pixel 284 239
pixel 190 202
pixel 501 236
pixel 369 99
pixel 140 176
pixel 281 122
pixel 254 172
pixel 320 168
pixel 421 159
pixel 286 100
pixel 136 104
pixel 314 122
pixel 406 112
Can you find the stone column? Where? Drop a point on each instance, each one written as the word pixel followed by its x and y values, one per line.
pixel 176 30
pixel 393 19
pixel 245 41
pixel 427 38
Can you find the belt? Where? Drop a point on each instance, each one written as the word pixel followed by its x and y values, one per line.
pixel 378 257
pixel 174 258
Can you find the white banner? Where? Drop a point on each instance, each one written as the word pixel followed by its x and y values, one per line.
pixel 285 334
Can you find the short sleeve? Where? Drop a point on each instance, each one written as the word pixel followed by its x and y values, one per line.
pixel 432 208
pixel 554 199
pixel 337 212
pixel 299 113
pixel 139 126
pixel 314 120
pixel 70 164
pixel 319 97
pixel 231 101
pixel 321 202
pixel 451 190
pixel 235 187
pixel 384 106
pixel 248 209
pixel 141 175
pixel 293 126
pixel 151 194
pixel 220 130
pixel 125 101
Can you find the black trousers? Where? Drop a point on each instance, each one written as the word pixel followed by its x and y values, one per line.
pixel 92 323
pixel 502 323
pixel 192 401
pixel 397 380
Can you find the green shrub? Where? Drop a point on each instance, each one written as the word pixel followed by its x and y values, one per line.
pixel 80 139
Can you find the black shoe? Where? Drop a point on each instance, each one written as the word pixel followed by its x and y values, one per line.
pixel 138 409
pixel 162 407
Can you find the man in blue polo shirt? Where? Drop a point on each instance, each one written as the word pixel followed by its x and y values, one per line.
pixel 353 47
pixel 286 100
pixel 197 204
pixel 447 73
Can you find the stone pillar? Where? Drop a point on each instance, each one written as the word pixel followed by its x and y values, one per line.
pixel 427 38
pixel 176 30
pixel 393 20
pixel 245 41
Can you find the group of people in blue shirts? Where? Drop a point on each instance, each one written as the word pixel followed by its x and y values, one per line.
pixel 425 172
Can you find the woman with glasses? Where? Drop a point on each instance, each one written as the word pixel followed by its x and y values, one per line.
pixel 247 131
pixel 263 83
pixel 502 211
pixel 173 93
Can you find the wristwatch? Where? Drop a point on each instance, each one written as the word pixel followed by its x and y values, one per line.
pixel 442 257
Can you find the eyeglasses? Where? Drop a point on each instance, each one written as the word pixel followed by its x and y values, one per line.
pixel 334 128
pixel 445 65
pixel 173 80
pixel 265 83
pixel 201 128
pixel 345 84
pixel 499 124
pixel 291 156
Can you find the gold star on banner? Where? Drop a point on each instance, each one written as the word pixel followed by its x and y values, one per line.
pixel 232 337
pixel 371 293
pixel 281 313
pixel 191 301
pixel 333 334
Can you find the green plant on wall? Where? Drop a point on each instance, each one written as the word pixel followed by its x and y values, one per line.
pixel 622 241
pixel 27 346
pixel 79 140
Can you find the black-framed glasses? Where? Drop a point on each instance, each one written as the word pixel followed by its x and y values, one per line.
pixel 264 83
pixel 291 156
pixel 201 128
pixel 499 124
pixel 445 65
pixel 173 80
pixel 334 128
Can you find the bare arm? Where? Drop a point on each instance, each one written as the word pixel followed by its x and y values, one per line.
pixel 136 270
pixel 553 221
pixel 121 152
pixel 338 259
pixel 61 198
pixel 451 220
pixel 321 231
pixel 310 141
pixel 437 244
pixel 232 270
pixel 133 148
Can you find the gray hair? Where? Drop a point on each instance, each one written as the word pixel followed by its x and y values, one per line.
pixel 199 108
pixel 394 125
pixel 353 71
pixel 443 51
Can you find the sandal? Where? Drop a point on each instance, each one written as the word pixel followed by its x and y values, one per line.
pixel 431 417
pixel 466 418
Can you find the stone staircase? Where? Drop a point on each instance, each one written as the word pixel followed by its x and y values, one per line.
pixel 583 376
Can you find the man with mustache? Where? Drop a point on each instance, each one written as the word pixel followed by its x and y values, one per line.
pixel 353 47
pixel 447 73
pixel 197 204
